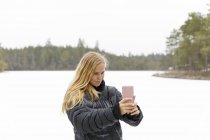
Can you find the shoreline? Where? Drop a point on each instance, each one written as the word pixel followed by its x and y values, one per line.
pixel 193 75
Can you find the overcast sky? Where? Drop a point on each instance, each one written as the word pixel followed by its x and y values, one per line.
pixel 120 26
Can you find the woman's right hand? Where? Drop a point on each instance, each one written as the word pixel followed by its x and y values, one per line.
pixel 126 105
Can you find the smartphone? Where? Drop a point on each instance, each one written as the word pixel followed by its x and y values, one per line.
pixel 127 92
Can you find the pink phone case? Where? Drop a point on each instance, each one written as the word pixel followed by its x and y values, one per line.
pixel 127 92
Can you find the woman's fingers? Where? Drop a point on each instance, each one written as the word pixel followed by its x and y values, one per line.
pixel 135 111
pixel 126 106
pixel 126 100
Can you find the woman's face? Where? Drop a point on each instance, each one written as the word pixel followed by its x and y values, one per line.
pixel 98 75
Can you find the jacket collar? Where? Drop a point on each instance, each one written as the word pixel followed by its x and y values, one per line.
pixel 100 88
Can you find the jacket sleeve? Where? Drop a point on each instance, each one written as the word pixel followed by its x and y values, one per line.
pixel 131 120
pixel 90 120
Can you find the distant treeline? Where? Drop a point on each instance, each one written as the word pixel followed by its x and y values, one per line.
pixel 188 48
pixel 50 57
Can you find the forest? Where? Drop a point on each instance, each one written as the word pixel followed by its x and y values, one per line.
pixel 50 57
pixel 187 48
pixel 190 44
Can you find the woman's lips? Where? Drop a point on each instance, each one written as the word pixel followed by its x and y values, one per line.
pixel 98 82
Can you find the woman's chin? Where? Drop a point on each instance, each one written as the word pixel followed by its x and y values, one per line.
pixel 97 84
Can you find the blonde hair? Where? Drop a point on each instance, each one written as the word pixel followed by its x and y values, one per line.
pixel 84 72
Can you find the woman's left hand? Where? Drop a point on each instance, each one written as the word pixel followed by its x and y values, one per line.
pixel 135 111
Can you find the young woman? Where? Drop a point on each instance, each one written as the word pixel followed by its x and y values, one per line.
pixel 94 108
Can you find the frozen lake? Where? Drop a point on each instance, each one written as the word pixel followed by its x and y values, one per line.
pixel 174 109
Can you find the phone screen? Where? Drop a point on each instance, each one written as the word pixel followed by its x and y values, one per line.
pixel 127 92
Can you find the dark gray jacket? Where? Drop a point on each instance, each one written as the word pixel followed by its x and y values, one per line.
pixel 99 120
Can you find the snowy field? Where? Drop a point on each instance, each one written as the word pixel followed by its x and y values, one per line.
pixel 174 109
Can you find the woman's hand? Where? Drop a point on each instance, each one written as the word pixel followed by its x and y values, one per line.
pixel 126 106
pixel 135 111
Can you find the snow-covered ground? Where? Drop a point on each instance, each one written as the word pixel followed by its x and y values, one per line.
pixel 174 109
